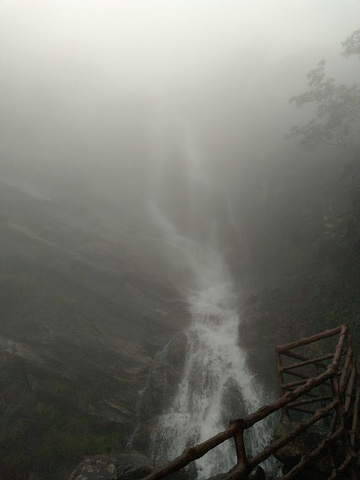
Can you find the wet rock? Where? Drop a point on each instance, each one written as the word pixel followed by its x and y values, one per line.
pixel 132 466
pixel 141 437
pixel 124 466
pixel 257 474
pixel 164 377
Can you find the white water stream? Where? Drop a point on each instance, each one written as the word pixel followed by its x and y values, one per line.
pixel 216 384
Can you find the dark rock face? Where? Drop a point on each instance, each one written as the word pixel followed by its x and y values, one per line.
pixel 87 299
pixel 164 376
pixel 160 389
pixel 90 315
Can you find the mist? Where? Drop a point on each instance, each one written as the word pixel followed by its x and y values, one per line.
pixel 81 79
pixel 161 232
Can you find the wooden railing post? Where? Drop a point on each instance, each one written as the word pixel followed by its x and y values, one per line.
pixel 280 375
pixel 344 400
pixel 348 360
pixel 355 414
pixel 340 414
pixel 239 428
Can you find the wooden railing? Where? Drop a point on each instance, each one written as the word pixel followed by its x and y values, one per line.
pixel 327 382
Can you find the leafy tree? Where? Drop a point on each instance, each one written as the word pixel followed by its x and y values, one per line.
pixel 336 259
pixel 351 45
pixel 337 118
pixel 303 226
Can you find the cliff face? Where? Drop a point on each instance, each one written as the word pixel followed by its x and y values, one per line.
pixel 86 301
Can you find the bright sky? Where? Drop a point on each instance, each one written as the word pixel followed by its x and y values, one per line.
pixel 74 67
pixel 154 40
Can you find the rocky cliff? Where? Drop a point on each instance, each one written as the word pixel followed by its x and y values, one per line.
pixel 87 299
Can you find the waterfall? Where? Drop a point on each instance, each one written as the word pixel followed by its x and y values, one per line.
pixel 217 384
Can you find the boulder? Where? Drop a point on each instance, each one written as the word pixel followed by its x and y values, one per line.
pixel 124 466
pixel 257 473
pixel 132 466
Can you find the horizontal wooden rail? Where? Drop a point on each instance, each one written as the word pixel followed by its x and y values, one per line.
pixel 294 384
pixel 344 398
pixel 291 354
pixel 306 459
pixel 311 400
pixel 275 446
pixel 298 375
pixel 308 340
pixel 310 361
pixel 193 453
pixel 300 409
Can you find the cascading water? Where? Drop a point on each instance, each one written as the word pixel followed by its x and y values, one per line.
pixel 216 384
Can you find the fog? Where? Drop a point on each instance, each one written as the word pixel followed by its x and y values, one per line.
pixel 135 102
pixel 159 233
pixel 106 99
pixel 81 79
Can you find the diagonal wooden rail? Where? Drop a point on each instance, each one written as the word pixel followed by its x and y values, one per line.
pixel 335 374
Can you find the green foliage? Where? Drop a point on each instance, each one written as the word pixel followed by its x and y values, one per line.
pixel 351 46
pixel 337 119
pixel 304 223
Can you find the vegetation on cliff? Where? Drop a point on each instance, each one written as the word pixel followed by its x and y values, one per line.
pixel 304 224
